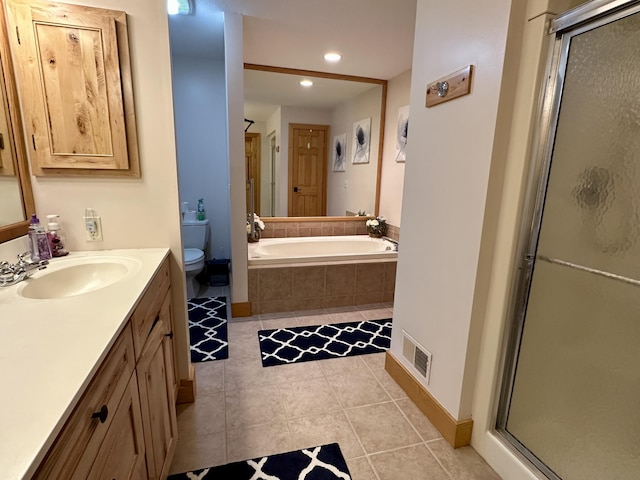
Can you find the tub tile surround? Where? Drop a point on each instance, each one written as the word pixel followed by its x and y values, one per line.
pixel 288 289
pixel 279 229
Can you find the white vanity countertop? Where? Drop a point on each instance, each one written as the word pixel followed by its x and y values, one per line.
pixel 50 349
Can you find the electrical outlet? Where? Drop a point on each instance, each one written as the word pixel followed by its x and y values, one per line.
pixel 93 229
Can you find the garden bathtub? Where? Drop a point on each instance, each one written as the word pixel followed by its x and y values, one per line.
pixel 334 249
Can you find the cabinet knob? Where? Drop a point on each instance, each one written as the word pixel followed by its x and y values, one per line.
pixel 170 335
pixel 102 414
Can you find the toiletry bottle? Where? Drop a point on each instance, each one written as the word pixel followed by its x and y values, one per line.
pixel 55 236
pixel 38 243
pixel 201 215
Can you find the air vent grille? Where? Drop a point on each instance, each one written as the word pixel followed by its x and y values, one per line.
pixel 417 355
pixel 421 362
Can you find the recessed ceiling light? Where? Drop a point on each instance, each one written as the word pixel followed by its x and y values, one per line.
pixel 306 83
pixel 332 57
pixel 179 7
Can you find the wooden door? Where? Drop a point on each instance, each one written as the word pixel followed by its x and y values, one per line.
pixel 307 170
pixel 157 399
pixel 252 169
pixel 73 72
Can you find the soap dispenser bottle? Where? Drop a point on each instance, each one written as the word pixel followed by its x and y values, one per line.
pixel 201 213
pixel 38 243
pixel 55 236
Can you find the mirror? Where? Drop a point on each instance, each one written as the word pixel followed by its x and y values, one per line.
pixel 16 196
pixel 315 151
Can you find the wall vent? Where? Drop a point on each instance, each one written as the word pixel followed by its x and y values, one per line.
pixel 417 355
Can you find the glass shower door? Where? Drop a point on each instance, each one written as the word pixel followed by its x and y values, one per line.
pixel 573 402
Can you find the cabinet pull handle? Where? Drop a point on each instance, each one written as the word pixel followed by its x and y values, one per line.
pixel 102 414
pixel 170 335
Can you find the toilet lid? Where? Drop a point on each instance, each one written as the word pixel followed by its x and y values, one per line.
pixel 193 255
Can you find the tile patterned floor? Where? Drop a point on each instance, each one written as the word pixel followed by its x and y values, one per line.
pixel 244 410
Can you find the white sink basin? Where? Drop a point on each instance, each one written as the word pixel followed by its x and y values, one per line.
pixel 76 277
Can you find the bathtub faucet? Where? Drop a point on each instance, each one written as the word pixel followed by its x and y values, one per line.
pixel 394 242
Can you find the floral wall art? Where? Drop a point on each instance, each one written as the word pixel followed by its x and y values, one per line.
pixel 340 153
pixel 361 141
pixel 402 133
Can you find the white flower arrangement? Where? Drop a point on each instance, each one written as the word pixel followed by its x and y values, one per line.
pixel 377 226
pixel 258 224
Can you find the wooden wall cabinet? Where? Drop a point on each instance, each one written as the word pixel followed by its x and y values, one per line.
pixel 124 427
pixel 74 77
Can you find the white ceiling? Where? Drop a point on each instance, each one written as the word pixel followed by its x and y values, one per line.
pixel 375 38
pixel 264 92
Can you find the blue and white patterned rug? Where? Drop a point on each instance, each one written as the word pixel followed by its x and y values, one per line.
pixel 318 463
pixel 208 328
pixel 303 344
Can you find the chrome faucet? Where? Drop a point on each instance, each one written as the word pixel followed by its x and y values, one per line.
pixel 393 242
pixel 12 274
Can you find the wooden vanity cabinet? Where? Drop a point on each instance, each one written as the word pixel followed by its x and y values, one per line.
pixel 81 438
pixel 124 426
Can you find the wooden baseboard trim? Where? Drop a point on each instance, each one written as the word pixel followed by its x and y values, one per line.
pixel 241 309
pixel 187 387
pixel 456 432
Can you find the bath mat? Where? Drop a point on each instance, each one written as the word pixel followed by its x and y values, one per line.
pixel 208 328
pixel 318 463
pixel 303 344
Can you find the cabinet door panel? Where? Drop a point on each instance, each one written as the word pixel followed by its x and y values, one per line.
pixel 72 455
pixel 156 379
pixel 150 304
pixel 73 74
pixel 122 454
pixel 75 78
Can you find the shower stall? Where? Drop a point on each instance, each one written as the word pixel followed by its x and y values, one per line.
pixel 570 400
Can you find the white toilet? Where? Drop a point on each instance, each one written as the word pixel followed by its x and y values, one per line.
pixel 195 235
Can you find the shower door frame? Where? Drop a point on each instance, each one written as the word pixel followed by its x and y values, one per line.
pixel 566 26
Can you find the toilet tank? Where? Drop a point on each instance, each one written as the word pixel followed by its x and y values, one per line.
pixel 195 233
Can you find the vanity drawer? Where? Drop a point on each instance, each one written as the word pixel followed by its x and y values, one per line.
pixel 149 306
pixel 76 447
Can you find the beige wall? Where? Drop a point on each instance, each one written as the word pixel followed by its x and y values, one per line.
pixel 445 188
pixel 354 189
pixel 140 212
pixel 274 124
pixel 392 179
pixel 10 204
pixel 235 128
